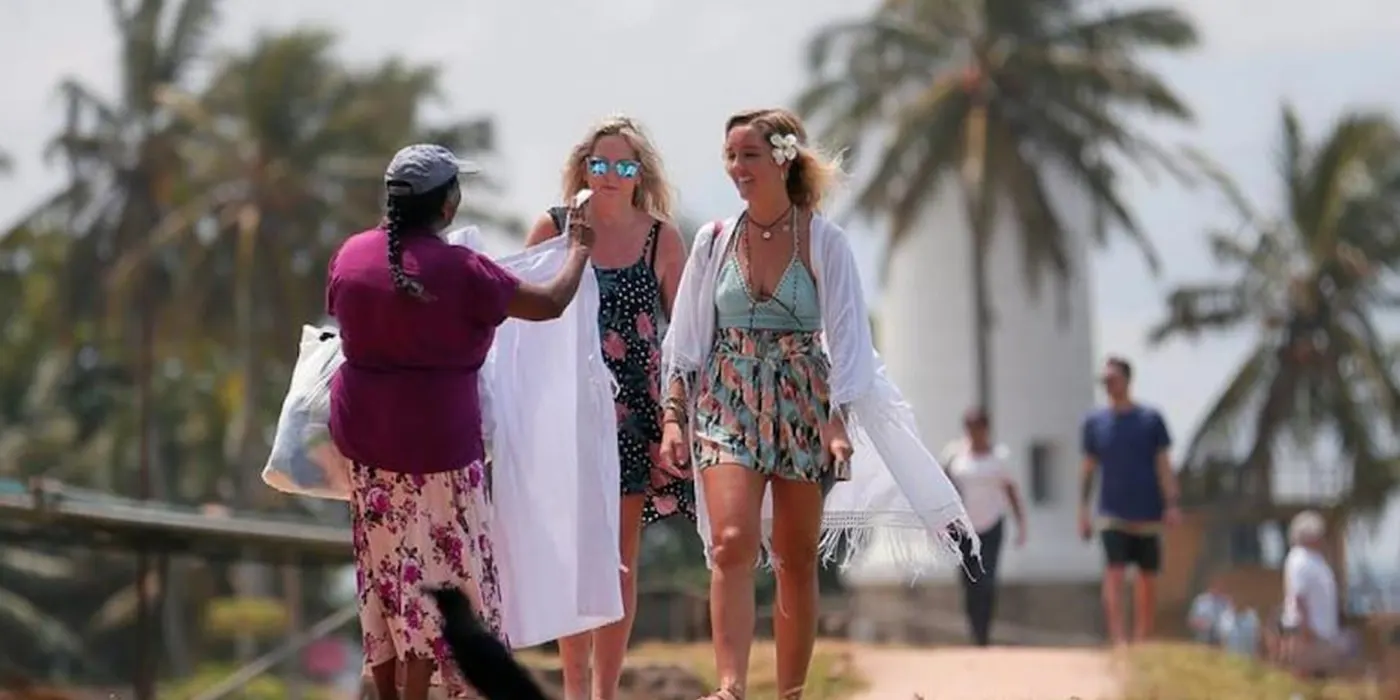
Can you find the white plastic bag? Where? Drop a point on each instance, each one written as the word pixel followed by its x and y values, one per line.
pixel 304 460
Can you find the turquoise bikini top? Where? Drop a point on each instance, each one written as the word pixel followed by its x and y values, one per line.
pixel 793 307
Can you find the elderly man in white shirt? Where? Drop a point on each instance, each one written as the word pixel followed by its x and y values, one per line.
pixel 1311 619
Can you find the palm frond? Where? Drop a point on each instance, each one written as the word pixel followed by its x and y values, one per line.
pixel 1206 167
pixel 1133 29
pixel 1052 82
pixel 39 626
pixel 1193 309
pixel 1229 411
pixel 188 38
pixel 1337 177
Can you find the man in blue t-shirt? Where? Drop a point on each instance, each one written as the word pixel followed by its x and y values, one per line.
pixel 1129 447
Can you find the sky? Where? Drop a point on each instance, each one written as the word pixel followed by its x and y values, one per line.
pixel 682 67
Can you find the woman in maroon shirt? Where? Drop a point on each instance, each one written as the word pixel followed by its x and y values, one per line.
pixel 417 317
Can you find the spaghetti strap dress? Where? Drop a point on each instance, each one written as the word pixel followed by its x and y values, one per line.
pixel 631 322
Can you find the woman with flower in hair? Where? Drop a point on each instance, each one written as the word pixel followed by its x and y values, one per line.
pixel 772 380
pixel 637 260
pixel 417 317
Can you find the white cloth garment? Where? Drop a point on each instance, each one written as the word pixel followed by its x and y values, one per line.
pixel 1308 579
pixel 551 431
pixel 982 481
pixel 555 467
pixel 898 499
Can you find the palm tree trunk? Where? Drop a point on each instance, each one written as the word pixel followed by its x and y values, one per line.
pixel 145 623
pixel 253 578
pixel 978 203
pixel 982 335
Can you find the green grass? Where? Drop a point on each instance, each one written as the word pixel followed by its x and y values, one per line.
pixel 1191 672
pixel 831 677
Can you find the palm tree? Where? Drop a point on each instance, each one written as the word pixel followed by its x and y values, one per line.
pixel 1310 281
pixel 1000 96
pixel 285 149
pixel 120 153
pixel 124 171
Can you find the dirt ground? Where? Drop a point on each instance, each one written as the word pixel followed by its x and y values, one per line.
pixel 996 673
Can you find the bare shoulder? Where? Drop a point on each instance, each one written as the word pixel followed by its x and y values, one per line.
pixel 669 243
pixel 542 230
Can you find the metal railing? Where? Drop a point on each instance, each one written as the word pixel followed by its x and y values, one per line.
pixel 243 676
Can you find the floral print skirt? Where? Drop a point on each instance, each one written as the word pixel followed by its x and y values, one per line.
pixel 413 532
pixel 762 402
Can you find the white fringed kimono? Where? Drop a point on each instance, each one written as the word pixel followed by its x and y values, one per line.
pixel 898 496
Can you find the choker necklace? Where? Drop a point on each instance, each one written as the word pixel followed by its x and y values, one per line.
pixel 766 229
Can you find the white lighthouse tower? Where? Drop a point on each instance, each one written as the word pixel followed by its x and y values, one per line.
pixel 1043 383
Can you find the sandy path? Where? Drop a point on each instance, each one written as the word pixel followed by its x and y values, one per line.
pixel 997 673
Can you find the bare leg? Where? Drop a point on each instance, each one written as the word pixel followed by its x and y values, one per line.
pixel 418 673
pixel 1145 605
pixel 797 509
pixel 734 500
pixel 610 642
pixel 386 682
pixel 574 653
pixel 1113 604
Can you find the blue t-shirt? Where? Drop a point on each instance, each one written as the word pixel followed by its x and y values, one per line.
pixel 1125 445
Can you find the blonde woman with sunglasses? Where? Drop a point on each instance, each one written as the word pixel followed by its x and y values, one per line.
pixel 637 257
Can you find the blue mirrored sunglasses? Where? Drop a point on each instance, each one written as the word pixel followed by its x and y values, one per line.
pixel 628 169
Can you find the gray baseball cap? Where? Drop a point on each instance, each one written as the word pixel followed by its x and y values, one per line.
pixel 424 167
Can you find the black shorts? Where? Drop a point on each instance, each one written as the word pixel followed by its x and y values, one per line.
pixel 1123 549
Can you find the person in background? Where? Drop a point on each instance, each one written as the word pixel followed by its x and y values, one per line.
pixel 978 469
pixel 637 258
pixel 1128 447
pixel 1205 613
pixel 1238 631
pixel 1312 642
pixel 417 317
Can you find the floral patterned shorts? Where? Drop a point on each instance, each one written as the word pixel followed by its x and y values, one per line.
pixel 762 405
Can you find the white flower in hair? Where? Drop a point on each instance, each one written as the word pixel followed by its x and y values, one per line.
pixel 784 147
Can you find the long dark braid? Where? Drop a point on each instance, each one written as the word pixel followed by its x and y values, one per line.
pixel 394 229
pixel 403 214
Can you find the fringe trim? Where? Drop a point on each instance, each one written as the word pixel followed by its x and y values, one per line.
pixel 901 538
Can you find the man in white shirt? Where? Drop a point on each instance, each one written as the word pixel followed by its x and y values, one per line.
pixel 978 469
pixel 1312 637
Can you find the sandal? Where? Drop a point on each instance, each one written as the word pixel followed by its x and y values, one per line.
pixel 725 694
